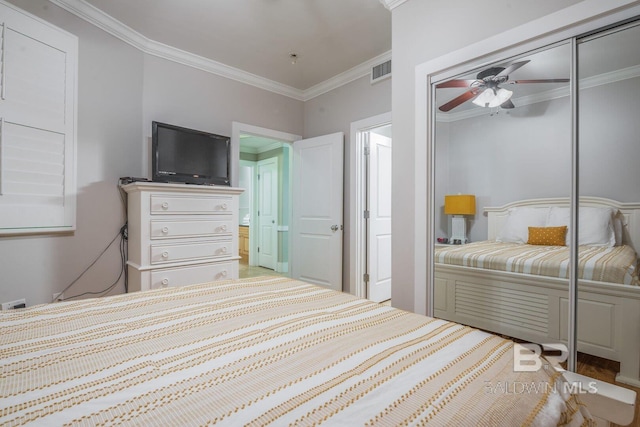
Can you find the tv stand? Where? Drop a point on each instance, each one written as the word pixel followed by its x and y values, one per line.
pixel 181 234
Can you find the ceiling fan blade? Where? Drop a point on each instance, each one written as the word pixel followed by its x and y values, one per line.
pixel 458 100
pixel 455 83
pixel 539 81
pixel 507 105
pixel 511 68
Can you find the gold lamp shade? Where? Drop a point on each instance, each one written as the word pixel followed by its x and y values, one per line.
pixel 460 204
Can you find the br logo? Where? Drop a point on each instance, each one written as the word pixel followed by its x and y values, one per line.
pixel 527 357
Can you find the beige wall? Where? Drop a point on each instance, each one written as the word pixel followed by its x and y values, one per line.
pixel 439 27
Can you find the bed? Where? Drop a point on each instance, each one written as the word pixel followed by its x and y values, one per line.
pixel 520 290
pixel 266 351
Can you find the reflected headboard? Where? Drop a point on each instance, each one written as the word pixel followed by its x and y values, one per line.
pixel 630 214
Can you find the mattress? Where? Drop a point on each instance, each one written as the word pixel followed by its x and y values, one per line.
pixel 617 264
pixel 267 351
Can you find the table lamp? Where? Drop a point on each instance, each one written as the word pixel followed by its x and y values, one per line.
pixel 459 205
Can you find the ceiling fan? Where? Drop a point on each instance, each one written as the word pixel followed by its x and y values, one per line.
pixel 486 87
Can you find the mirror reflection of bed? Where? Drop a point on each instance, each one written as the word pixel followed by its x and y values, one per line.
pixel 508 286
pixel 518 164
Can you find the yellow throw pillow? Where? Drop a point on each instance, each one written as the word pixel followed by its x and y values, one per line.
pixel 547 236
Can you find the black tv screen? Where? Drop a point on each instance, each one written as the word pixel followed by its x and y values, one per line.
pixel 190 156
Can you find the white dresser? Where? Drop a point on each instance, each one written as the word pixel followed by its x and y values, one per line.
pixel 181 234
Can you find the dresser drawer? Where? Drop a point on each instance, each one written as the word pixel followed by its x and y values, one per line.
pixel 171 229
pixel 191 251
pixel 161 204
pixel 164 278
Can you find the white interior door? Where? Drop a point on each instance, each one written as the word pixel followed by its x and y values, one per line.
pixel 268 212
pixel 379 224
pixel 316 253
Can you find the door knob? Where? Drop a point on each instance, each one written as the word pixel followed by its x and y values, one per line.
pixel 334 227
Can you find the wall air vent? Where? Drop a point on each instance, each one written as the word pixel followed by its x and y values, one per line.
pixel 381 71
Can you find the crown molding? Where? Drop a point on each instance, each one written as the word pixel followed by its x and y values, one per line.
pixel 195 61
pixel 95 16
pixel 105 22
pixel 392 4
pixel 586 83
pixel 348 76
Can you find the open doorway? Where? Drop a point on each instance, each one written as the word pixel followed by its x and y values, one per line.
pixel 264 159
pixel 315 199
pixel 370 236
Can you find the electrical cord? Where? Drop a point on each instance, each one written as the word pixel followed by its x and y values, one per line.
pixel 124 254
pixel 124 243
pixel 123 198
pixel 122 233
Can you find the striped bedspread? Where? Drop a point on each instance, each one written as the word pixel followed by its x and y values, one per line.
pixel 268 351
pixel 616 264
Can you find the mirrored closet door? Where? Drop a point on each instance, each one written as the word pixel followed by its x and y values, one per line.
pixel 608 64
pixel 502 157
pixel 536 197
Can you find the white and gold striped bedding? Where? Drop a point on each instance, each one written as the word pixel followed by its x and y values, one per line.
pixel 268 351
pixel 616 264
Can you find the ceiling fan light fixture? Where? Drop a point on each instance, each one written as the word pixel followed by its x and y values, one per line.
pixel 502 96
pixel 486 97
pixel 492 98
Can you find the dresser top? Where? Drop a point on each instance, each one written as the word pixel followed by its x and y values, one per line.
pixel 180 188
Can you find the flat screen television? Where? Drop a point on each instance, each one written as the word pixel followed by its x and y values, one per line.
pixel 190 156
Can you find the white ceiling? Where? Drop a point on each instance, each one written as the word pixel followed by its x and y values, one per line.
pixel 257 36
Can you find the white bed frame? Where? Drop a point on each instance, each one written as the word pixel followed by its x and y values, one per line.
pixel 535 308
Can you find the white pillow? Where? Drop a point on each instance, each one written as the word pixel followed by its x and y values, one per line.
pixel 516 226
pixel 596 225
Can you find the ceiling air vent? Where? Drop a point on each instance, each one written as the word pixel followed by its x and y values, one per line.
pixel 381 71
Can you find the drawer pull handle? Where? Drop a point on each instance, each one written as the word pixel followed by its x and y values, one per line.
pixel 223 228
pixel 165 205
pixel 165 282
pixel 224 206
pixel 165 255
pixel 165 230
pixel 223 249
pixel 223 273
